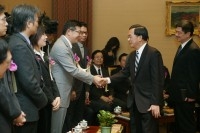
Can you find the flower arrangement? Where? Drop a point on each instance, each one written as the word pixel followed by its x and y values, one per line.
pixel 13 66
pixel 106 119
pixel 12 69
pixel 51 61
pixel 77 59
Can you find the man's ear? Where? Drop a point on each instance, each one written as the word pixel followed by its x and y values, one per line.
pixel 140 38
pixel 188 34
pixel 68 32
pixel 28 23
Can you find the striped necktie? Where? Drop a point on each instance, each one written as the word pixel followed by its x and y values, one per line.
pixel 178 50
pixel 136 61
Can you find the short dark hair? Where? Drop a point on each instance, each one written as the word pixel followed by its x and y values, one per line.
pixel 70 24
pixel 83 24
pixel 3 50
pixel 2 9
pixel 95 52
pixel 140 31
pixel 186 25
pixel 122 55
pixel 21 14
pixel 34 38
pixel 51 26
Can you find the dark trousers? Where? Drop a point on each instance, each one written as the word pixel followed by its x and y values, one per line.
pixel 132 121
pixel 184 117
pixel 144 122
pixel 28 127
pixel 44 123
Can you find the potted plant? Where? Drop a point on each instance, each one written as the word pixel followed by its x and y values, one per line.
pixel 106 119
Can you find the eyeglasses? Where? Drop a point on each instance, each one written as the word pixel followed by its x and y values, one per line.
pixel 78 31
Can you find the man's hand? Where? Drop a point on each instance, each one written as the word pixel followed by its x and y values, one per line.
pixel 56 103
pixel 189 99
pixel 20 120
pixel 73 96
pixel 99 82
pixel 106 99
pixel 155 110
pixel 87 99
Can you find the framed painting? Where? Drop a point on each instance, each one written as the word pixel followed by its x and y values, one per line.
pixel 181 10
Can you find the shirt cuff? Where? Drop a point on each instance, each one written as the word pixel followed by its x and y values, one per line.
pixel 108 80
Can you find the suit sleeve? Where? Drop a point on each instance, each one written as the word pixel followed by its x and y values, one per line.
pixel 193 78
pixel 26 75
pixel 8 103
pixel 157 78
pixel 125 73
pixel 64 57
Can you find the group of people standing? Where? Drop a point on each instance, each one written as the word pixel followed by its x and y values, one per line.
pixel 49 94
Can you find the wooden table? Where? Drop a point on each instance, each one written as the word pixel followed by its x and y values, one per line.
pixel 95 129
pixel 125 121
pixel 91 129
pixel 166 119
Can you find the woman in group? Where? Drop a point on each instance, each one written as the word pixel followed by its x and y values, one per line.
pixel 47 82
pixel 110 51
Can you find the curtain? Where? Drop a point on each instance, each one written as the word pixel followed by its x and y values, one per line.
pixel 80 10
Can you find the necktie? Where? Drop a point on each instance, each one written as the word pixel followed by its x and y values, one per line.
pixel 82 51
pixel 179 50
pixel 99 71
pixel 136 61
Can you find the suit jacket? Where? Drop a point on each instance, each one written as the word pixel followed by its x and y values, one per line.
pixel 147 83
pixel 186 72
pixel 50 88
pixel 64 69
pixel 28 78
pixel 96 93
pixel 9 107
pixel 121 88
pixel 78 85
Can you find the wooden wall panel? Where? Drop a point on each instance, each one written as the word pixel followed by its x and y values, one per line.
pixel 81 10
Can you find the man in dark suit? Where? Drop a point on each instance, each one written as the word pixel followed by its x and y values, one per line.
pixel 77 104
pixel 29 92
pixel 121 89
pixel 10 110
pixel 145 68
pixel 185 78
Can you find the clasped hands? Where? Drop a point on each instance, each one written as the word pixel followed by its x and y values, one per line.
pixel 20 120
pixel 99 81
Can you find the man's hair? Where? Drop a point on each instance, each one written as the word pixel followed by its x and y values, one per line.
pixel 95 52
pixel 21 14
pixel 140 31
pixel 35 38
pixel 70 24
pixel 3 50
pixel 122 55
pixel 2 9
pixel 83 24
pixel 186 25
pixel 50 25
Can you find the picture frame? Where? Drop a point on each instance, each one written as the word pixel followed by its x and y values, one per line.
pixel 180 10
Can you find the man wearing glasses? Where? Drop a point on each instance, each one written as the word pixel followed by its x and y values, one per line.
pixel 64 71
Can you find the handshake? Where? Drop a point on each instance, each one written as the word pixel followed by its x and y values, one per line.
pixel 100 82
